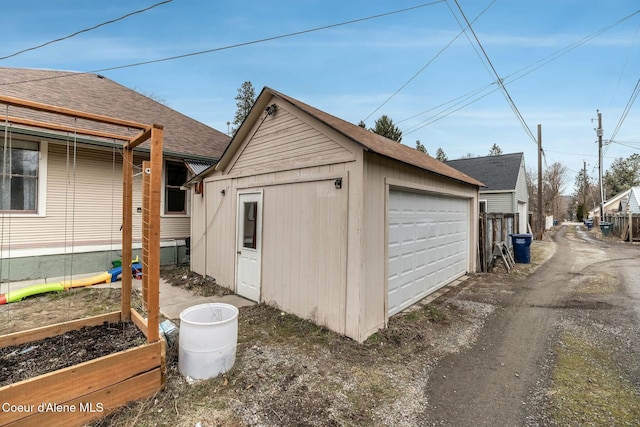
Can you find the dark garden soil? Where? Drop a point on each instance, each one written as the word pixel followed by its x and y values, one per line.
pixel 35 358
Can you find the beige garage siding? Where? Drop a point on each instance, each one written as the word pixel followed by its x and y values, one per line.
pixel 304 250
pixel 380 174
pixel 286 143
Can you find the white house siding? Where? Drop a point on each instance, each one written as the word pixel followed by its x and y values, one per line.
pixel 634 200
pixel 522 194
pixel 380 174
pixel 83 207
pixel 500 202
pixel 82 203
pixel 522 199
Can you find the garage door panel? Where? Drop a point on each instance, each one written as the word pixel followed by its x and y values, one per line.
pixel 428 245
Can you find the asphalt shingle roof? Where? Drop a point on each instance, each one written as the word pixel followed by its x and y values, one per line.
pixel 496 172
pixel 96 94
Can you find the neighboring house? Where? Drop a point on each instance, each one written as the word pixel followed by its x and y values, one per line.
pixel 614 205
pixel 329 221
pixel 65 189
pixel 633 203
pixel 505 183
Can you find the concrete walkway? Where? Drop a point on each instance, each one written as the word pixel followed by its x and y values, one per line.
pixel 173 299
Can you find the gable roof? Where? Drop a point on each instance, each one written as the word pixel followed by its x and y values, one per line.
pixel 497 172
pixel 634 199
pixel 616 202
pixel 368 140
pixel 183 136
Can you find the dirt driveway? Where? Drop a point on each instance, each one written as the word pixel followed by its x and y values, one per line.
pixel 560 349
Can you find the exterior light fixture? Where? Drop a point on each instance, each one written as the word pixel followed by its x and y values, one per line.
pixel 338 183
pixel 271 109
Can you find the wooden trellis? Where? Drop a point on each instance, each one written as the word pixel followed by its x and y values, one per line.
pixel 110 381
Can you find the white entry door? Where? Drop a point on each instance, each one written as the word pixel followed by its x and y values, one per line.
pixel 248 243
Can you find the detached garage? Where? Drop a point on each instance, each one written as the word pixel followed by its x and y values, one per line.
pixel 329 221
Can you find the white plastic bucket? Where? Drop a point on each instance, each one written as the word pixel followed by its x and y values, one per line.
pixel 208 339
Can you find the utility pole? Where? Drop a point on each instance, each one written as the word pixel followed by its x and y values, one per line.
pixel 584 188
pixel 540 215
pixel 599 133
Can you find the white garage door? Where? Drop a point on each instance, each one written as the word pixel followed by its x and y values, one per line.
pixel 428 245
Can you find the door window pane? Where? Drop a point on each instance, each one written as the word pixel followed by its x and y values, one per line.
pixel 249 235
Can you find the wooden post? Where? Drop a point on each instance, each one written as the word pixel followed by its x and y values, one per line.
pixel 127 207
pixel 630 227
pixel 153 266
pixel 146 178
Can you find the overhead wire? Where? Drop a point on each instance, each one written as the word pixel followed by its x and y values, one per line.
pixel 499 80
pixel 625 112
pixel 624 66
pixel 111 21
pixel 429 62
pixel 233 46
pixel 523 72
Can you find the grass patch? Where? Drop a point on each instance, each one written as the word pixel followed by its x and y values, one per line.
pixel 602 283
pixel 589 389
pixel 427 312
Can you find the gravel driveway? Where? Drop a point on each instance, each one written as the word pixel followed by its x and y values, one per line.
pixel 575 317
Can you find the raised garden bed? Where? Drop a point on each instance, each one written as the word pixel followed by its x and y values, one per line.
pixel 85 391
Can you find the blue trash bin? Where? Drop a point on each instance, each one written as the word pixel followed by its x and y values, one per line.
pixel 522 247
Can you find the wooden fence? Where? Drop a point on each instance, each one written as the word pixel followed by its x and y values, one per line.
pixel 625 226
pixel 495 228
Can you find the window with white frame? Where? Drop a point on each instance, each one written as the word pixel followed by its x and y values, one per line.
pixel 483 206
pixel 175 199
pixel 19 174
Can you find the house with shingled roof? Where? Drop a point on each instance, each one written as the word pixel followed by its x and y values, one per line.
pixel 505 184
pixel 330 221
pixel 61 194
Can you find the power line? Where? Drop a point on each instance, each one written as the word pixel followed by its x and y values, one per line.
pixel 519 74
pixel 85 30
pixel 427 64
pixel 499 80
pixel 627 108
pixel 444 113
pixel 233 46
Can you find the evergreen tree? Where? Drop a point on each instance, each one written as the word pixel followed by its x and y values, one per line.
pixel 384 126
pixel 440 155
pixel 362 124
pixel 495 150
pixel 421 147
pixel 244 101
pixel 622 174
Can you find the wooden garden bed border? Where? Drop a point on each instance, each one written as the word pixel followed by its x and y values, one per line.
pixel 90 390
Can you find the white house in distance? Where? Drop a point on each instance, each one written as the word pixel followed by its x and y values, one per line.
pixel 61 205
pixel 616 204
pixel 329 221
pixel 633 202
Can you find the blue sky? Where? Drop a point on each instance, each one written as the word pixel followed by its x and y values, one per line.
pixel 553 74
